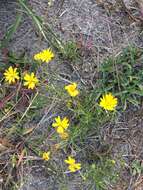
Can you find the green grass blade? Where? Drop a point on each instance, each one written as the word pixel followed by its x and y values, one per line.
pixel 9 34
pixel 35 19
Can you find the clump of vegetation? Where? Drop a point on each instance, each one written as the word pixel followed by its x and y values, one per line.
pixel 123 75
pixel 79 117
pixel 88 110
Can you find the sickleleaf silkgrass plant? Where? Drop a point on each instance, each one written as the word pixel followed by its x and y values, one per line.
pixel 91 110
pixel 87 114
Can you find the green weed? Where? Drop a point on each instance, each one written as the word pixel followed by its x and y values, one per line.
pixel 136 167
pixel 10 32
pixel 123 75
pixel 102 174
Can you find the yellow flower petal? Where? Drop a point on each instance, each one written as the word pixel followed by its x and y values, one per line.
pixel 72 168
pixel 60 130
pixel 70 160
pixel 46 156
pixel 72 89
pixel 58 119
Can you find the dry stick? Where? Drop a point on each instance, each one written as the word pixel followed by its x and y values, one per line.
pixel 24 112
pixel 28 107
pixel 138 183
pixel 62 3
pixel 9 112
pixel 6 99
pixel 98 68
pixel 81 79
pixel 128 11
pixel 24 140
pixel 2 103
pixel 52 105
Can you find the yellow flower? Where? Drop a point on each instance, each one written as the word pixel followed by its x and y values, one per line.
pixel 61 124
pixel 64 135
pixel 30 80
pixel 72 89
pixel 46 155
pixel 113 162
pixel 11 75
pixel 108 102
pixel 45 56
pixel 73 166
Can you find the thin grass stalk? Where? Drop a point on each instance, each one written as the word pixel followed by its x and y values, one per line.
pixel 45 31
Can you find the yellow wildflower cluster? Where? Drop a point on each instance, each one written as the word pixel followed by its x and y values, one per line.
pixel 72 165
pixel 11 75
pixel 107 101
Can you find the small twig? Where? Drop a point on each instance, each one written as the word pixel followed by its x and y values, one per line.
pixel 81 79
pixel 28 108
pixel 128 11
